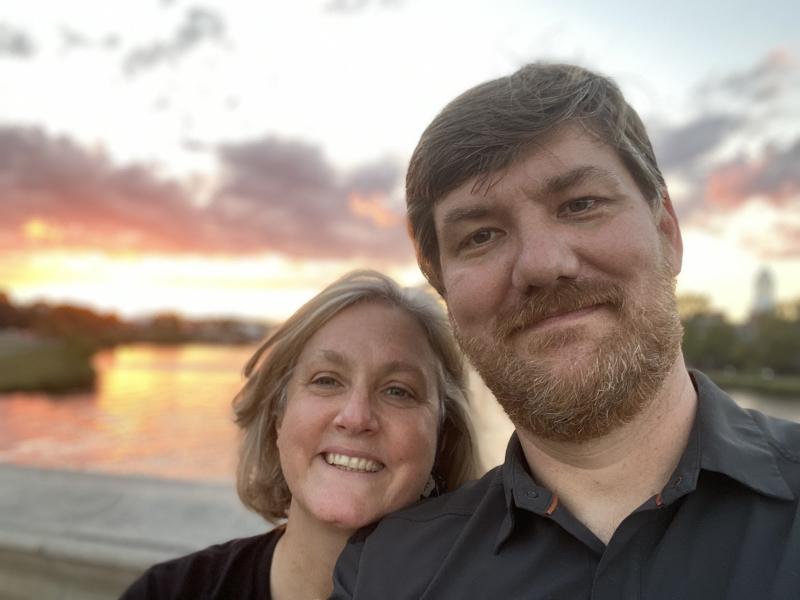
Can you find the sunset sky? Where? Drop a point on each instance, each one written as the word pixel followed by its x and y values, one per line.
pixel 231 157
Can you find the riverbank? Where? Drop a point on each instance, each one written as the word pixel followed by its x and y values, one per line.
pixel 71 534
pixel 783 386
pixel 32 364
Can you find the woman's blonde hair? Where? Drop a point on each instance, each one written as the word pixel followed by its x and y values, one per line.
pixel 260 403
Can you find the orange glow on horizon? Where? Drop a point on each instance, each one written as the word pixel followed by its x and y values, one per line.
pixel 39 230
pixel 266 287
pixel 374 207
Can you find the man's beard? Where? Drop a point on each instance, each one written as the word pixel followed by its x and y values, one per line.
pixel 600 391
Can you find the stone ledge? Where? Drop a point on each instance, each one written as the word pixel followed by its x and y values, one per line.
pixel 68 534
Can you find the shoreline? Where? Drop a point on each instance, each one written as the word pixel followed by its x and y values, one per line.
pixel 89 535
pixel 784 387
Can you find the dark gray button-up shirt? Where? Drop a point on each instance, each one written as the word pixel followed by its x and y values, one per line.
pixel 727 525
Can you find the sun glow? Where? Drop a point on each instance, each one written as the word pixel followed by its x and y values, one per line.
pixel 267 287
pixel 39 230
pixel 375 208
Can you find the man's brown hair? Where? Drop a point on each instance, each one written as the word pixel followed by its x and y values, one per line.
pixel 488 127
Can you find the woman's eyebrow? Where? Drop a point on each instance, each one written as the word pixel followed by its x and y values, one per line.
pixel 401 366
pixel 334 357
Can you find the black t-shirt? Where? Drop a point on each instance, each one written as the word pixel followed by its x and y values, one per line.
pixel 238 569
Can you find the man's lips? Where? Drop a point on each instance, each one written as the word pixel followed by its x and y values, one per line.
pixel 559 319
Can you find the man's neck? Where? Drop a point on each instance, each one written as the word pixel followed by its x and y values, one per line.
pixel 602 481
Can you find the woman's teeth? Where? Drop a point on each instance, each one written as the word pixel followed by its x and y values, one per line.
pixel 352 463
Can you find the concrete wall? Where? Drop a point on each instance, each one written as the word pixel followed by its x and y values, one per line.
pixel 74 535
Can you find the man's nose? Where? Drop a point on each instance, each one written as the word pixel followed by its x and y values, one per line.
pixel 357 414
pixel 545 255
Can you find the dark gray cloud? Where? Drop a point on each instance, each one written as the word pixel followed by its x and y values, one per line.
pixel 276 197
pixel 15 43
pixel 356 6
pixel 762 82
pixel 200 25
pixel 287 193
pixel 735 105
pixel 377 177
pixel 56 192
pixel 744 110
pixel 72 39
pixel 682 147
pixel 774 177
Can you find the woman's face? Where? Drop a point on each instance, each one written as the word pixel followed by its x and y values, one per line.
pixel 358 434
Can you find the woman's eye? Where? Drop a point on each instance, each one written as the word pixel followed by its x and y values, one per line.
pixel 324 381
pixel 579 205
pixel 400 393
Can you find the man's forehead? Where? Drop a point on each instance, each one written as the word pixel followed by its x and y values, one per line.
pixel 569 152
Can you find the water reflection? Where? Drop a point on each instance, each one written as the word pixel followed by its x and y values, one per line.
pixel 156 411
pixel 166 411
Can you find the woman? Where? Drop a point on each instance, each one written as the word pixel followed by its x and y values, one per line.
pixel 356 406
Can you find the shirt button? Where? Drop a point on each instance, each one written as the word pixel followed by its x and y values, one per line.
pixel 533 494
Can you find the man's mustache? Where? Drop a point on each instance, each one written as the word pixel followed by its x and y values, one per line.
pixel 557 300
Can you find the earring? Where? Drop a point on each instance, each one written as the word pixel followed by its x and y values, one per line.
pixel 430 485
pixel 433 487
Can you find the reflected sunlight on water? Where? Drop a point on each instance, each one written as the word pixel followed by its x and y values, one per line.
pixel 166 412
pixel 163 411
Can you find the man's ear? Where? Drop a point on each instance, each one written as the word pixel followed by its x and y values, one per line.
pixel 670 233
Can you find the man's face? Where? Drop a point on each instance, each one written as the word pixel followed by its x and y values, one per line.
pixel 559 282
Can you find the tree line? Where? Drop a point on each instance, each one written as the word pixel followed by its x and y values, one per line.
pixel 768 342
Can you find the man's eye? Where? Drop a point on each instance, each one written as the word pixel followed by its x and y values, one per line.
pixel 578 206
pixel 479 238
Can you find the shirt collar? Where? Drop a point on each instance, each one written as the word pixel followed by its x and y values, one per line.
pixel 521 491
pixel 730 442
pixel 724 439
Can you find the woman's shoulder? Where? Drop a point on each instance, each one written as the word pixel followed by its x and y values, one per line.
pixel 237 568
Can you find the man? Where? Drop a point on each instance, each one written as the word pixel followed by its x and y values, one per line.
pixel 539 213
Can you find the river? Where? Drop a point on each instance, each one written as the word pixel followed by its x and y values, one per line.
pixel 166 412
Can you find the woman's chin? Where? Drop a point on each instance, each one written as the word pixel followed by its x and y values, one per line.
pixel 348 518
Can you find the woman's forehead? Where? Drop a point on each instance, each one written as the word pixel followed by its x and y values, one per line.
pixel 377 332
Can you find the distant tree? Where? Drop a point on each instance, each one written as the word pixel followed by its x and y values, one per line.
pixel 775 344
pixel 710 342
pixel 12 315
pixel 789 311
pixel 81 326
pixel 692 304
pixel 167 328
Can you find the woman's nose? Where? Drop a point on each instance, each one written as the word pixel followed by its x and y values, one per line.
pixel 357 414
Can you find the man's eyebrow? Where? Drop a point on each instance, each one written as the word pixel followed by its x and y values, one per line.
pixel 552 185
pixel 577 176
pixel 460 214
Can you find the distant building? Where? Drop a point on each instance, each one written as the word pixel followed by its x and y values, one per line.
pixel 764 293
